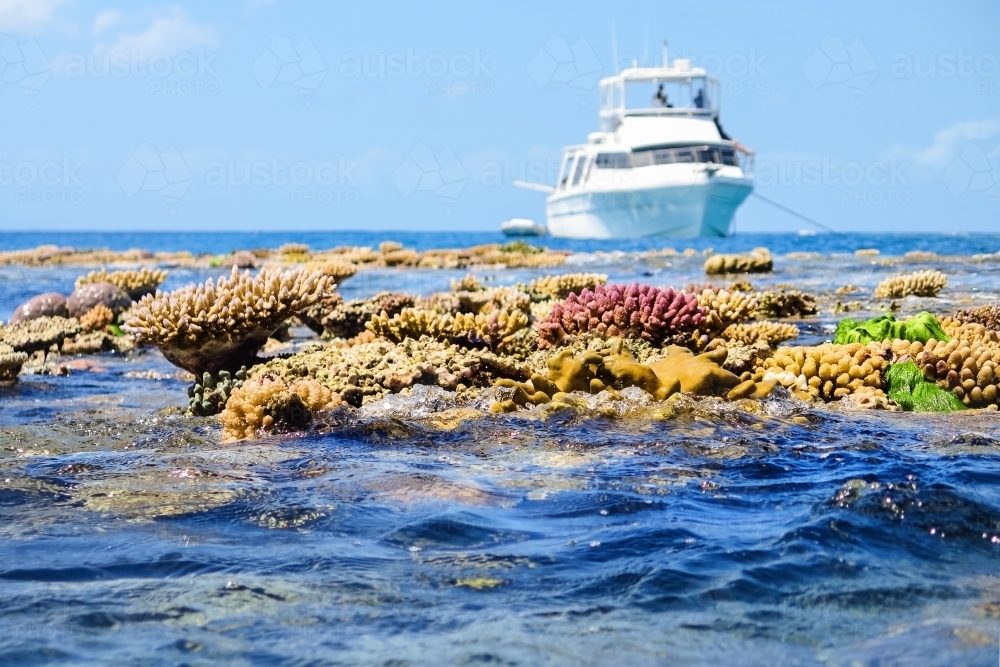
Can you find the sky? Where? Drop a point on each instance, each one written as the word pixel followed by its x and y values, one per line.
pixel 279 115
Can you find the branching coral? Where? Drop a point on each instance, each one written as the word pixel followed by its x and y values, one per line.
pixel 758 261
pixel 337 270
pixel 135 283
pixel 771 333
pixel 921 327
pixel 723 308
pixel 988 316
pixel 468 283
pixel 209 394
pixel 786 303
pixel 560 287
pixel 266 403
pixel 221 326
pixel 492 330
pixel 10 363
pixel 335 318
pixel 828 371
pixel 40 333
pixel 918 283
pixel 640 311
pixel 96 319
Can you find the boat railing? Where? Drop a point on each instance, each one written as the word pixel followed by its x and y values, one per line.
pixel 746 163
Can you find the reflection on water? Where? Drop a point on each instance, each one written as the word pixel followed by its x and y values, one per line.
pixel 416 530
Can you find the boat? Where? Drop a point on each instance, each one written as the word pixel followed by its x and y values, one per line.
pixel 523 227
pixel 660 165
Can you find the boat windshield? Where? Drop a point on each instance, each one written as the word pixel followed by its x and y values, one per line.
pixel 650 95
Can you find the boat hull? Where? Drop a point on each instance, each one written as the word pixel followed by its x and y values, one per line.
pixel 703 207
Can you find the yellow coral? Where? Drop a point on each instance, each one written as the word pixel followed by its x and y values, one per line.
pixel 134 282
pixel 265 402
pixel 918 283
pixel 493 327
pixel 828 371
pixel 559 287
pixel 96 318
pixel 723 308
pixel 771 333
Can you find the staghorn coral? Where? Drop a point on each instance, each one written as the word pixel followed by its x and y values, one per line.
pixel 493 330
pixel 40 333
pixel 828 371
pixel 560 287
pixel 221 326
pixel 771 333
pixel 967 368
pixel 723 308
pixel 209 394
pixel 96 319
pixel 10 363
pixel 921 327
pixel 334 318
pixel 640 311
pixel 135 283
pixel 918 283
pixel 988 316
pixel 758 261
pixel 785 302
pixel 267 403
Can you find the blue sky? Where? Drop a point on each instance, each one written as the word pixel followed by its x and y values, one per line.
pixel 867 116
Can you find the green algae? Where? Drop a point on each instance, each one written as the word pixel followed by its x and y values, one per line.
pixel 921 327
pixel 915 393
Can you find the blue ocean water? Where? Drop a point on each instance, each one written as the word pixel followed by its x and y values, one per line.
pixel 794 535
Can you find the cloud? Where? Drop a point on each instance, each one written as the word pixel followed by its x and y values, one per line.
pixel 106 19
pixel 950 141
pixel 171 33
pixel 26 14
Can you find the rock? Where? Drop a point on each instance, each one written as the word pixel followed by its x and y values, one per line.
pixel 244 259
pixel 50 304
pixel 97 294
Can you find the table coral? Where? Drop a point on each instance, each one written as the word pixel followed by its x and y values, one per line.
pixel 918 283
pixel 10 363
pixel 136 283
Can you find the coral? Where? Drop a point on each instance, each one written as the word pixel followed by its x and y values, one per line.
pixel 786 303
pixel 967 368
pixel 90 342
pixel 559 287
pixel 758 261
pixel 492 330
pixel 640 311
pixel 921 327
pixel 49 304
pixel 468 283
pixel 266 403
pixel 135 283
pixel 221 326
pixel 335 318
pixel 208 395
pixel 771 333
pixel 866 252
pixel 696 374
pixel 10 363
pixel 386 247
pixel 970 331
pixel 293 249
pixel 96 318
pixel 912 391
pixel 88 295
pixel 742 357
pixel 828 371
pixel 988 316
pixel 243 259
pixel 521 247
pixel 483 301
pixel 918 283
pixel 337 270
pixel 40 333
pixel 723 308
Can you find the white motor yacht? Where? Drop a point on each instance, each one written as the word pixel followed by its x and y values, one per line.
pixel 659 166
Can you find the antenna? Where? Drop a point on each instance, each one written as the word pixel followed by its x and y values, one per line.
pixel 666 62
pixel 614 46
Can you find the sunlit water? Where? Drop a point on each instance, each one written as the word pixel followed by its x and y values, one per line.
pixel 404 533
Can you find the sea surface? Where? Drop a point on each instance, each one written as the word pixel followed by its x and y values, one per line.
pixel 412 533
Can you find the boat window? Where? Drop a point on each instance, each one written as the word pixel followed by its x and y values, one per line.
pixel 647 157
pixel 580 164
pixel 612 161
pixel 567 170
pixel 694 92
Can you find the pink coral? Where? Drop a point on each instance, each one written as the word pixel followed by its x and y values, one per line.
pixel 641 311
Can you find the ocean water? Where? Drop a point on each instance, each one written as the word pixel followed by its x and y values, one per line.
pixel 411 533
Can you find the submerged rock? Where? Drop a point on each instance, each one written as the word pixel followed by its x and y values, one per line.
pixel 49 304
pixel 89 295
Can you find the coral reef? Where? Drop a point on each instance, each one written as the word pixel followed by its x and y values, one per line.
pixel 495 330
pixel 723 308
pixel 468 283
pixel 209 394
pixel 828 371
pixel 785 302
pixel 640 311
pixel 918 283
pixel 135 283
pixel 337 270
pixel 49 304
pixel 913 392
pixel 758 261
pixel 243 259
pixel 266 403
pixel 40 333
pixel 921 327
pixel 96 319
pixel 293 249
pixel 10 363
pixel 560 287
pixel 88 295
pixel 771 333
pixel 221 326
pixel 988 316
pixel 334 318
pixel 967 368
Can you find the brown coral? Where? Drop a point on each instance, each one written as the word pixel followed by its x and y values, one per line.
pixel 40 333
pixel 758 261
pixel 96 319
pixel 493 329
pixel 338 271
pixel 988 316
pixel 267 403
pixel 724 308
pixel 10 363
pixel 785 302
pixel 966 367
pixel 560 287
pixel 221 326
pixel 918 283
pixel 828 371
pixel 771 333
